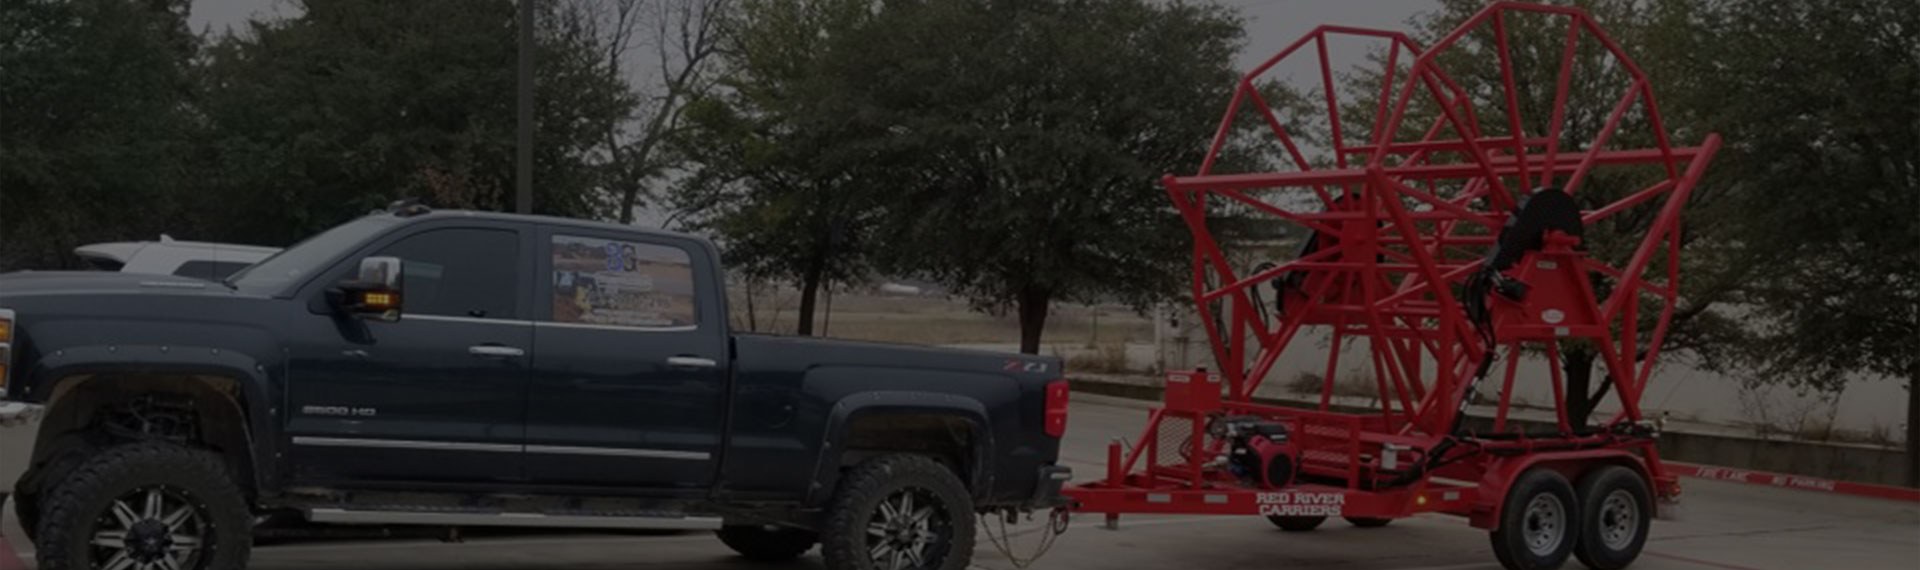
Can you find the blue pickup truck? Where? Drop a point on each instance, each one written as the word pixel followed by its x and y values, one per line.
pixel 450 369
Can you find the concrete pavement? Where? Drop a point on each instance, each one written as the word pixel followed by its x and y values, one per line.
pixel 1724 526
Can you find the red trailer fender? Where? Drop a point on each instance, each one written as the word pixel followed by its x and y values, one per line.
pixel 1503 471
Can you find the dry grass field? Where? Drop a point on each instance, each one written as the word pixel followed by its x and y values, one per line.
pixel 937 320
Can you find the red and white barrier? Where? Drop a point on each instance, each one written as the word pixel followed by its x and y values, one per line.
pixel 10 560
pixel 1799 482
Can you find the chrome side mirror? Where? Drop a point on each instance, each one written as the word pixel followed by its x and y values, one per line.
pixel 375 292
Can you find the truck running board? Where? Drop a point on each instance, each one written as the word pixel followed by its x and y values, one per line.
pixel 508 519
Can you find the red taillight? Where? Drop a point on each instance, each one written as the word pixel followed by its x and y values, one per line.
pixel 1056 418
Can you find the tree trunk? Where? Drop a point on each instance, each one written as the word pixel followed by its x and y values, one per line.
pixel 1577 362
pixel 628 196
pixel 1032 307
pixel 809 290
pixel 1913 423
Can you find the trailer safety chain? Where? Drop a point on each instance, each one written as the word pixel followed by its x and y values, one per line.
pixel 1003 541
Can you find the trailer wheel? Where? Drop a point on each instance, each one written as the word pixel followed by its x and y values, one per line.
pixel 761 543
pixel 1617 507
pixel 1539 522
pixel 899 512
pixel 1296 524
pixel 1368 522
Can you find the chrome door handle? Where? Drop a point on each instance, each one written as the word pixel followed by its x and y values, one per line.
pixel 495 351
pixel 691 362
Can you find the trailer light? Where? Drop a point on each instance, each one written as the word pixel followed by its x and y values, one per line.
pixel 1420 500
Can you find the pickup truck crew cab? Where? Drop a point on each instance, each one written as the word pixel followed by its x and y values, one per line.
pixel 454 369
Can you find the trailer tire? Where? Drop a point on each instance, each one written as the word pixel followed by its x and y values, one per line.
pixel 182 494
pixel 1368 522
pixel 870 499
pixel 1295 523
pixel 1616 503
pixel 1539 522
pixel 762 543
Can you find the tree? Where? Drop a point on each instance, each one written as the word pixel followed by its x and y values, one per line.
pixel 1825 141
pixel 671 46
pixel 1023 142
pixel 778 174
pixel 354 103
pixel 95 118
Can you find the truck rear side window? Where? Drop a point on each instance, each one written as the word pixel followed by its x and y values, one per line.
pixel 622 283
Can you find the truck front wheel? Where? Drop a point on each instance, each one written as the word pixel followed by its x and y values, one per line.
pixel 767 543
pixel 899 512
pixel 146 505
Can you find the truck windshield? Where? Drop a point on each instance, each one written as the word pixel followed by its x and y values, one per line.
pixel 312 254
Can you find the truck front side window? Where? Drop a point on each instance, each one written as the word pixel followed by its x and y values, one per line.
pixel 459 272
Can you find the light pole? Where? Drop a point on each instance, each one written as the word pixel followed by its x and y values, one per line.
pixel 523 151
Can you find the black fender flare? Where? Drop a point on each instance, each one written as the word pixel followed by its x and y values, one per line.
pixel 61 371
pixel 844 412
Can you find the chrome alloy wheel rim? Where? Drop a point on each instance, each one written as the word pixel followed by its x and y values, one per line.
pixel 150 528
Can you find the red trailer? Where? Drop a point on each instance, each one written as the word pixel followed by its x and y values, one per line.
pixel 1444 242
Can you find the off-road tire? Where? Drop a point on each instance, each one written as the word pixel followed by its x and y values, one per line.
pixel 1630 516
pixel 70 511
pixel 1520 521
pixel 26 506
pixel 1368 522
pixel 844 540
pixel 1296 523
pixel 761 543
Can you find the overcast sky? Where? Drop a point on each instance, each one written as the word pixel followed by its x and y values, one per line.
pixel 1271 23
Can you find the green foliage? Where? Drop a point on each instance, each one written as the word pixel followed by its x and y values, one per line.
pixel 358 102
pixel 780 175
pixel 1826 145
pixel 95 121
pixel 1006 149
pixel 1032 136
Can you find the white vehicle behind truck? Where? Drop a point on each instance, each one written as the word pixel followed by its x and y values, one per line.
pixel 167 256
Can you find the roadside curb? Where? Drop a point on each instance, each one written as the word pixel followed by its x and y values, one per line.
pixel 1795 482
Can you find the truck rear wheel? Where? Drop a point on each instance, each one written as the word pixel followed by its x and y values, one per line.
pixel 1539 522
pixel 1618 511
pixel 899 512
pixel 146 505
pixel 767 543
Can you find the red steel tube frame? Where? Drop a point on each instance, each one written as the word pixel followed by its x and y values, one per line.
pixel 1386 274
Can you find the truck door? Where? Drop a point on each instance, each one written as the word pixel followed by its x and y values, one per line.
pixel 629 370
pixel 437 395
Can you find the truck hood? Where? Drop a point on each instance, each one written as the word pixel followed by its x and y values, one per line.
pixel 70 283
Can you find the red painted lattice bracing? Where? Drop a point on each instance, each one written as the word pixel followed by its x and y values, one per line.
pixel 1401 220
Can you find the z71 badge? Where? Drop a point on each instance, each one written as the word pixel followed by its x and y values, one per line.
pixel 1024 366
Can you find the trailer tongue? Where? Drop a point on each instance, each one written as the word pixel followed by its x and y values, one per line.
pixel 1445 244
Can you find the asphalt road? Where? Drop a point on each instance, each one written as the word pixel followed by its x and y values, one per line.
pixel 1724 526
